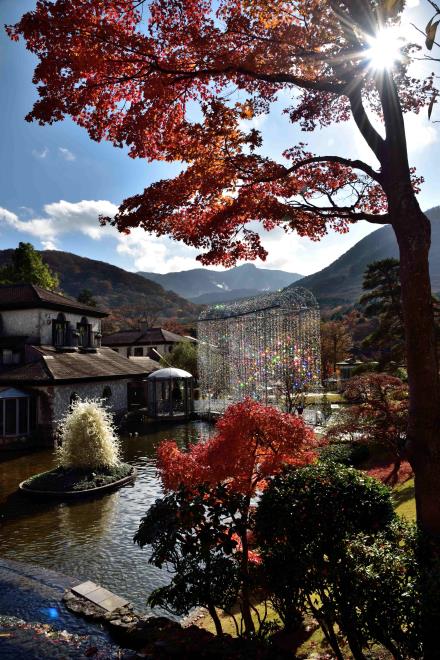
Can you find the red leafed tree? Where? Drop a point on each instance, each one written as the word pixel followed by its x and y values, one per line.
pixel 378 414
pixel 251 443
pixel 178 80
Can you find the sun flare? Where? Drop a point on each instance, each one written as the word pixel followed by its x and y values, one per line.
pixel 385 48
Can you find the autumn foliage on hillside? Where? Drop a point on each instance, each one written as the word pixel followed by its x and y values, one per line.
pixel 251 442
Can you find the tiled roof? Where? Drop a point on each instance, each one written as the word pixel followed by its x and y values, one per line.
pixel 147 363
pixel 26 296
pixel 32 373
pixel 103 363
pixel 54 366
pixel 13 341
pixel 147 337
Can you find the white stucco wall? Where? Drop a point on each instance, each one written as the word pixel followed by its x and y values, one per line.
pixel 21 322
pixel 62 393
pixel 162 349
pixel 38 322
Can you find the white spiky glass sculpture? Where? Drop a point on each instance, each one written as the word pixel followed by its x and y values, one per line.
pixel 88 438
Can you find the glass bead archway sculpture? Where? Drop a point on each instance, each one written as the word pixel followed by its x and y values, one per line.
pixel 263 347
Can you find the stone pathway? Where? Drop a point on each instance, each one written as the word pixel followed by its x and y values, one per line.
pixel 99 596
pixel 21 640
pixel 34 623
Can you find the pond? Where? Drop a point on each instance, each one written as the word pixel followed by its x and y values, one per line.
pixel 90 539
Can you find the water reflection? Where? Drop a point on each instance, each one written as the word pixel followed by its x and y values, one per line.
pixel 90 539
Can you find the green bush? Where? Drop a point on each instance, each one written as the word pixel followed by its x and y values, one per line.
pixel 71 479
pixel 384 577
pixel 351 454
pixel 192 532
pixel 329 539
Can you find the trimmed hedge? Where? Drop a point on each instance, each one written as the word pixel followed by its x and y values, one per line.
pixel 351 454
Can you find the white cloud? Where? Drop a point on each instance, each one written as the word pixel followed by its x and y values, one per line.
pixel 42 153
pixel 7 216
pixel 66 154
pixel 49 245
pixel 63 219
pixel 153 254
pixel 28 210
pixel 420 131
pixel 141 251
pixel 294 254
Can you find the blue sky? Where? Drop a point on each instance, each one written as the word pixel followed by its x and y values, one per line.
pixel 55 181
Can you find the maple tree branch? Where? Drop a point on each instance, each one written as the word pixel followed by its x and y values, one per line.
pixel 352 164
pixel 347 162
pixel 285 78
pixel 434 6
pixel 347 212
pixel 374 140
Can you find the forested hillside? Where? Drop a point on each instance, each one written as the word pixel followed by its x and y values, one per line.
pixel 125 294
pixel 340 284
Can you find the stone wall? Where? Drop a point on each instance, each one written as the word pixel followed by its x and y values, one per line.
pixel 117 402
pixel 38 322
pixel 53 402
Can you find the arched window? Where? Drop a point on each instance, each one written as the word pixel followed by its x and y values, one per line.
pixel 106 393
pixel 59 330
pixel 74 397
pixel 84 333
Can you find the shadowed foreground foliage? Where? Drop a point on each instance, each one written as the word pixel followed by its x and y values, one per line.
pixel 332 545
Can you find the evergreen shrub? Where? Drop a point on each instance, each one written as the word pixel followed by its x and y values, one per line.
pixel 332 545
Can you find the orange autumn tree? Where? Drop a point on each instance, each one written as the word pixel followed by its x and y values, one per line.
pixel 189 81
pixel 251 443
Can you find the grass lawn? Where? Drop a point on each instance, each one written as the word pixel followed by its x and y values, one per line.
pixel 310 640
pixel 332 397
pixel 228 622
pixel 404 500
pixel 405 506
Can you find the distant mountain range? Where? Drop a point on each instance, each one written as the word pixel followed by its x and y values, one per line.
pixel 205 286
pixel 113 288
pixel 178 295
pixel 340 284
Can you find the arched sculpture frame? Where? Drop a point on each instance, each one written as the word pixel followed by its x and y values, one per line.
pixel 266 347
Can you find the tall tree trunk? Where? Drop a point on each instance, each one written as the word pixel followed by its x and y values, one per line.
pixel 246 595
pixel 413 233
pixel 423 444
pixel 215 617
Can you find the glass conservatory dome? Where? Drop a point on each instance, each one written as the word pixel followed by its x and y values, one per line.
pixel 170 393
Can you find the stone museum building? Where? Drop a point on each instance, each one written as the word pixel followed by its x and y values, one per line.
pixel 51 354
